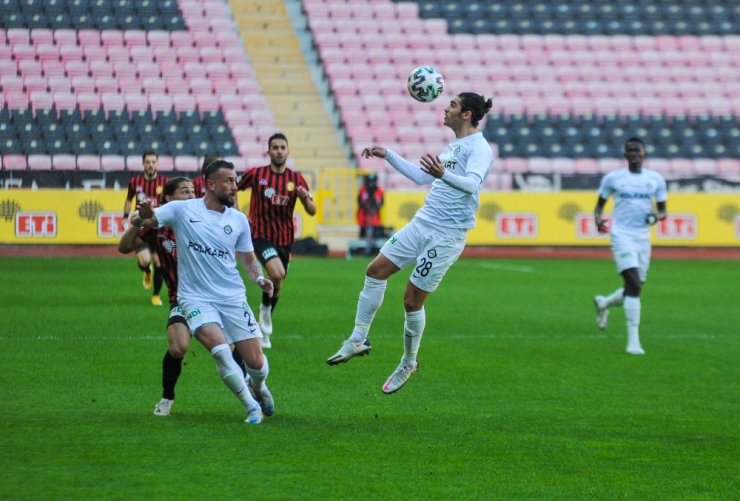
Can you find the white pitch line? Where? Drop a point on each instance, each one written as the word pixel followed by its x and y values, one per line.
pixel 498 266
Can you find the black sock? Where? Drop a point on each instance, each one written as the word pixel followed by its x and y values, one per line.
pixel 158 279
pixel 171 368
pixel 266 300
pixel 143 267
pixel 273 302
pixel 239 361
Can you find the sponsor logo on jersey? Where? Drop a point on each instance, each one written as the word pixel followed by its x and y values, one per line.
pixel 263 182
pixel 450 164
pixel 268 253
pixel 36 224
pixel 204 249
pixel 290 186
pixel 635 196
pixel 432 253
pixel 227 229
pixel 193 314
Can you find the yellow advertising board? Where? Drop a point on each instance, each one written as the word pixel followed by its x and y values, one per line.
pixel 82 217
pixel 566 219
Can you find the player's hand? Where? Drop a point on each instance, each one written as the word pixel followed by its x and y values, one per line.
pixel 266 286
pixel 432 166
pixel 651 219
pixel 373 151
pixel 602 225
pixel 145 210
pixel 302 193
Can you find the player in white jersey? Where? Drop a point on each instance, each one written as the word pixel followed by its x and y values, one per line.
pixel 434 239
pixel 210 236
pixel 634 189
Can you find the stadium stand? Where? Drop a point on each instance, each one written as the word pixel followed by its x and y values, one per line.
pixel 89 83
pixel 570 80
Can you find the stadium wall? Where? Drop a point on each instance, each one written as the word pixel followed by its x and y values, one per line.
pixel 505 219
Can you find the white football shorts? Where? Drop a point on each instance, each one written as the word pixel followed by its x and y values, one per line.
pixel 432 249
pixel 235 318
pixel 631 252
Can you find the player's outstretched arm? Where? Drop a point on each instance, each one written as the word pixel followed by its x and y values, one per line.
pixel 130 240
pixel 254 271
pixel 144 216
pixel 601 223
pixel 306 200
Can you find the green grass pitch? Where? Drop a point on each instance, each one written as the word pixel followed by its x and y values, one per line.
pixel 518 395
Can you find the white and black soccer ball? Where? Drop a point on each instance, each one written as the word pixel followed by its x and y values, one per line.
pixel 425 84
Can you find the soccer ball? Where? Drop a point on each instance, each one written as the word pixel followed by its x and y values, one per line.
pixel 425 84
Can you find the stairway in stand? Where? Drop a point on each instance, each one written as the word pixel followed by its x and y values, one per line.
pixel 285 79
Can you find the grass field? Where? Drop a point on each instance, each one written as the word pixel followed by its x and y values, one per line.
pixel 518 395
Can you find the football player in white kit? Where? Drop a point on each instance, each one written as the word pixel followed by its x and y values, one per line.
pixel 211 234
pixel 634 189
pixel 434 239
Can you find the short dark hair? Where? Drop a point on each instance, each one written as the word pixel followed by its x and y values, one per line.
pixel 476 104
pixel 277 135
pixel 207 160
pixel 215 166
pixel 171 187
pixel 635 139
pixel 148 153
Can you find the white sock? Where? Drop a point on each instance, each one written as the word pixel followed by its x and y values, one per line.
pixel 632 312
pixel 413 328
pixel 231 374
pixel 370 300
pixel 258 376
pixel 616 298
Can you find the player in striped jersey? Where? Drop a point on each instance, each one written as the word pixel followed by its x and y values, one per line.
pixel 634 189
pixel 275 190
pixel 434 238
pixel 147 187
pixel 178 334
pixel 199 182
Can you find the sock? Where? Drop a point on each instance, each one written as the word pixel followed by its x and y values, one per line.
pixel 632 312
pixel 258 376
pixel 370 300
pixel 239 361
pixel 266 300
pixel 171 368
pixel 413 328
pixel 143 267
pixel 231 375
pixel 273 302
pixel 158 279
pixel 616 298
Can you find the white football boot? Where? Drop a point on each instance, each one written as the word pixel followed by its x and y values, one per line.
pixel 602 312
pixel 163 407
pixel 399 377
pixel 349 350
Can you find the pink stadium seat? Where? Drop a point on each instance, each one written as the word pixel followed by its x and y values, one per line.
pixel 7 66
pixel 42 36
pixel 233 54
pixel 16 100
pixel 160 102
pixel 112 101
pixel 53 68
pixel 105 85
pixel 563 165
pixel 183 102
pixel 64 162
pixel 83 84
pixel 133 163
pixel 100 69
pixel 661 165
pixel 15 162
pixel 210 55
pixel 35 83
pixel 705 166
pixel 65 101
pixel 134 38
pixel 135 101
pixel 609 164
pixel 153 86
pixel 47 52
pixel 39 162
pixel 166 163
pixel 88 162
pixel 60 84
pixel 586 166
pixel 187 164
pixel 18 36
pixel 206 102
pixel 111 37
pixel 181 39
pixel 11 83
pixel 24 52
pixel 88 101
pixel 94 53
pixel 70 53
pixel 111 163
pixel 158 38
pixel 86 37
pixel 41 101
